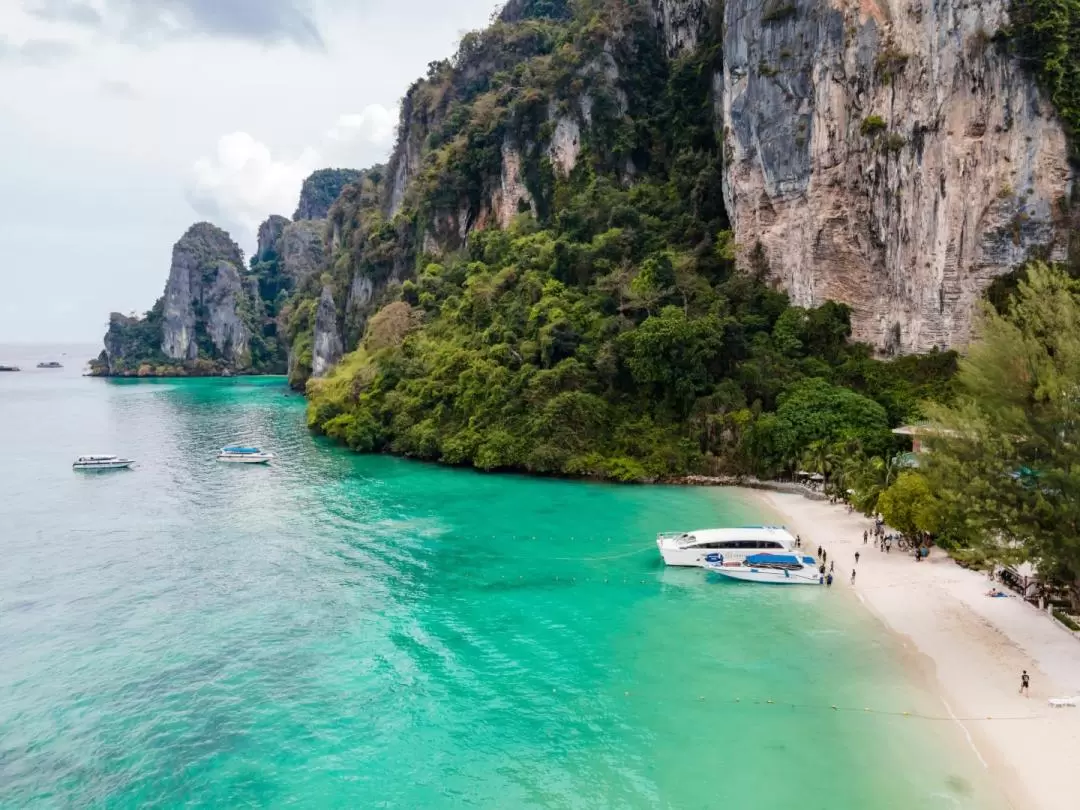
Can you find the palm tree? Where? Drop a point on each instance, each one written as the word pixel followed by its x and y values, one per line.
pixel 871 477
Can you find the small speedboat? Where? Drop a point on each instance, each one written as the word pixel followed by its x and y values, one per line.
pixel 775 569
pixel 50 364
pixel 244 455
pixel 8 368
pixel 102 463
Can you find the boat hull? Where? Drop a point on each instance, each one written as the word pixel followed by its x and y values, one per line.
pixel 769 576
pixel 105 465
pixel 249 459
pixel 684 557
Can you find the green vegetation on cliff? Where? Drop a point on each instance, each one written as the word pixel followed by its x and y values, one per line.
pixel 606 330
pixel 1047 34
pixel 321 189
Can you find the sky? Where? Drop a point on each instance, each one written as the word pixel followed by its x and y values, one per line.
pixel 122 122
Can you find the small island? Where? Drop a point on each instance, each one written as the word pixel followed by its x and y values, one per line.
pixel 218 316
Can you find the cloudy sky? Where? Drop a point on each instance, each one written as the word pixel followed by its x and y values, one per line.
pixel 124 121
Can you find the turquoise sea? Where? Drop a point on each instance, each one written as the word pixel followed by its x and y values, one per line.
pixel 368 632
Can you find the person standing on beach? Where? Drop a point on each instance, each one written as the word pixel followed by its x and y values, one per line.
pixel 828 580
pixel 852 576
pixel 819 551
pixel 824 555
pixel 856 558
pixel 832 566
pixel 865 536
pixel 1025 682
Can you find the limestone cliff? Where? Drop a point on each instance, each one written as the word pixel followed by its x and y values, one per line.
pixel 203 297
pixel 886 154
pixel 680 23
pixel 269 234
pixel 327 349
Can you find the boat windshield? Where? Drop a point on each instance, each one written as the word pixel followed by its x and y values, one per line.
pixel 241 450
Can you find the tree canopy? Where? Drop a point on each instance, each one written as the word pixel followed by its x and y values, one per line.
pixel 1005 458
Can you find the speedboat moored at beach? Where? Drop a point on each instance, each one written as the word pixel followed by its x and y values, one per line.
pixel 244 455
pixel 690 548
pixel 102 462
pixel 775 569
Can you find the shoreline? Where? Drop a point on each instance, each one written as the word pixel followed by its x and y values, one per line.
pixel 970 647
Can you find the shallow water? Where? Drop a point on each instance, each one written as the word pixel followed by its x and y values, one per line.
pixel 346 631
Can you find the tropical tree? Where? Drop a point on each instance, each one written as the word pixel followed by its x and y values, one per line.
pixel 1005 458
pixel 870 477
pixel 909 505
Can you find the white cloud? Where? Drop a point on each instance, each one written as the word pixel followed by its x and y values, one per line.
pixel 244 183
pixel 374 125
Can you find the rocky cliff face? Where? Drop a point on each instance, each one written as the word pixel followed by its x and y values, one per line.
pixel 301 248
pixel 269 234
pixel 680 23
pixel 327 348
pixel 885 154
pixel 203 297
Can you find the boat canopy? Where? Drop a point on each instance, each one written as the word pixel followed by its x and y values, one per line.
pixel 240 450
pixel 97 458
pixel 775 559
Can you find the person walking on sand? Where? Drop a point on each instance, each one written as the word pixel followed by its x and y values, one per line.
pixel 824 555
pixel 852 576
pixel 865 536
pixel 1025 682
pixel 828 580
pixel 819 551
pixel 856 558
pixel 832 566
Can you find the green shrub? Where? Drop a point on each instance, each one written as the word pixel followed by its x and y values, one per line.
pixel 894 142
pixel 872 125
pixel 1066 620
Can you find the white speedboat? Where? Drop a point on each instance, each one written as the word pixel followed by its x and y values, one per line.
pixel 102 463
pixel 244 455
pixel 774 569
pixel 690 548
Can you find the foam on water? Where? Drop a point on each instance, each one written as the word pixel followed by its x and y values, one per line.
pixel 346 631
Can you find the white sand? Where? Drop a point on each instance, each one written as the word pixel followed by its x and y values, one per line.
pixel 976 647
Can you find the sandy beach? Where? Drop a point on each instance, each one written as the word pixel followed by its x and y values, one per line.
pixel 974 647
